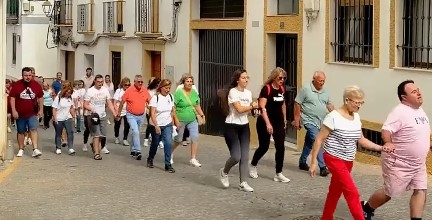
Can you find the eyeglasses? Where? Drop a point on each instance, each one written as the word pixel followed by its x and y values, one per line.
pixel 356 103
pixel 139 81
pixel 282 78
pixel 98 81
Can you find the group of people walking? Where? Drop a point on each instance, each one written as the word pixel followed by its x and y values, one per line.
pixel 332 134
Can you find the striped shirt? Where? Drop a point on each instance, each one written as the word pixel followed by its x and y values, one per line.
pixel 342 140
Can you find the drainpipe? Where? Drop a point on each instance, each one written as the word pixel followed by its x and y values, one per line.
pixel 3 111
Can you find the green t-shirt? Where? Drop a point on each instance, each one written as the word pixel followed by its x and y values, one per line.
pixel 184 111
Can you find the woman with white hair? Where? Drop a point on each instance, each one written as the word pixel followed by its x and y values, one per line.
pixel 339 135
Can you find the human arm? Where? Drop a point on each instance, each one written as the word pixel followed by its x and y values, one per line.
pixel 14 111
pixel 234 98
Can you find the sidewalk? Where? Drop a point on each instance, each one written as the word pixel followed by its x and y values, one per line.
pixel 118 187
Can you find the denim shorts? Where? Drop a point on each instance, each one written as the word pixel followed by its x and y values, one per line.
pixel 25 124
pixel 193 131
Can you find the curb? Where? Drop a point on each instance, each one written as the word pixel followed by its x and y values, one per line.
pixel 9 169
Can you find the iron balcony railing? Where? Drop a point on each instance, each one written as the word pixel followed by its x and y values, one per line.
pixel 12 11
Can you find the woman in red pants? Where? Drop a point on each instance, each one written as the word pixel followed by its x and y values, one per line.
pixel 340 133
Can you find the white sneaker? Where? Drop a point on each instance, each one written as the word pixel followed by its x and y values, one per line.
pixel 85 149
pixel 105 150
pixel 172 159
pixel 117 141
pixel 109 122
pixel 184 143
pixel 125 143
pixel 36 153
pixel 146 142
pixel 71 152
pixel 194 162
pixel 244 186
pixel 223 177
pixel 58 151
pixel 20 153
pixel 253 172
pixel 9 130
pixel 161 145
pixel 279 177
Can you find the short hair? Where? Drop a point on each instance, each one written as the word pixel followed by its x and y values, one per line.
pixel 317 73
pixel 89 68
pixel 185 77
pixel 107 75
pixel 138 76
pixel 353 91
pixel 163 83
pixel 401 88
pixel 26 69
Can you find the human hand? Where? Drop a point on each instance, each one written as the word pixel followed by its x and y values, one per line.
pixel 312 169
pixel 158 130
pixel 296 124
pixel 269 128
pixel 388 147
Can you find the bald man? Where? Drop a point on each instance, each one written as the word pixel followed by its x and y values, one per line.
pixel 311 106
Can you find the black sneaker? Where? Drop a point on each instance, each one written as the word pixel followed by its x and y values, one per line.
pixel 304 166
pixel 324 171
pixel 367 215
pixel 150 163
pixel 64 145
pixel 138 155
pixel 133 154
pixel 169 169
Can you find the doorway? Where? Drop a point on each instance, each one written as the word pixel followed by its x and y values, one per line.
pixel 156 66
pixel 286 57
pixel 70 65
pixel 116 68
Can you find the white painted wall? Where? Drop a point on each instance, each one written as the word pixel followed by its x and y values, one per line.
pixel 380 84
pixel 254 45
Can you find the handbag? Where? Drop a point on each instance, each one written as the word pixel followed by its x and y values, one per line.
pixel 200 119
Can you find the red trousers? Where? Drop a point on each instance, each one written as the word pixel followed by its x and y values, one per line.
pixel 341 183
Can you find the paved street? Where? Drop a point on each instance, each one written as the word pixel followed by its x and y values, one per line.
pixel 118 187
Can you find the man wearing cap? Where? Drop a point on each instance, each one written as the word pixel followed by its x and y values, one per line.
pixel 95 101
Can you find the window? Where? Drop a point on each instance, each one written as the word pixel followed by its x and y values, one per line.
pixel 85 18
pixel 113 17
pixel 221 8
pixel 12 11
pixel 288 7
pixel 417 36
pixel 14 48
pixel 63 12
pixel 353 31
pixel 147 16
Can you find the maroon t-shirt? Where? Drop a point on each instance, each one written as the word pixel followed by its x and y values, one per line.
pixel 25 102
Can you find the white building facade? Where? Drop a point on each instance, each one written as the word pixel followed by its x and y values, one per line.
pixel 29 43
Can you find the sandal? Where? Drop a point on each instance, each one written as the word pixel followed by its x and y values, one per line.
pixel 97 157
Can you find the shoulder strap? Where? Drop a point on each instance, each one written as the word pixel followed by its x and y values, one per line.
pixel 189 101
pixel 171 97
pixel 268 89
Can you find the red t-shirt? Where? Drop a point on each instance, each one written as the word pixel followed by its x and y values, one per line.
pixel 24 103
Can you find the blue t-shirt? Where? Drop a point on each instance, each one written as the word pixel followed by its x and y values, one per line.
pixel 57 86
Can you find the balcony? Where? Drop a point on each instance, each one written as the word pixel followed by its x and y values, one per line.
pixel 85 19
pixel 63 13
pixel 113 17
pixel 147 18
pixel 12 11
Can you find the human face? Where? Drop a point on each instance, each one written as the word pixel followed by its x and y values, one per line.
pixel 280 79
pixel 126 85
pixel 45 87
pixel 354 104
pixel 413 95
pixel 98 83
pixel 27 76
pixel 8 84
pixel 138 82
pixel 88 73
pixel 68 93
pixel 59 76
pixel 319 81
pixel 107 79
pixel 188 82
pixel 243 80
pixel 165 90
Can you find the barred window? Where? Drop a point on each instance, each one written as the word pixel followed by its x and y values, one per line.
pixel 221 8
pixel 353 31
pixel 416 38
pixel 85 18
pixel 65 12
pixel 113 17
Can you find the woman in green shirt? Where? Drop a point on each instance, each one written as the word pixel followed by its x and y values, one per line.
pixel 187 105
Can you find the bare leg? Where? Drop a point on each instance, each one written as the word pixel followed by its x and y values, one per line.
pixel 378 198
pixel 194 149
pixel 417 203
pixel 96 145
pixel 34 138
pixel 20 139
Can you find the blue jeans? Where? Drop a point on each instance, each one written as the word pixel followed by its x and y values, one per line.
pixel 78 122
pixel 311 133
pixel 135 122
pixel 166 137
pixel 58 132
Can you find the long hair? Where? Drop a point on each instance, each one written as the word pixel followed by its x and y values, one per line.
pixel 163 83
pixel 98 76
pixel 275 74
pixel 65 89
pixel 124 81
pixel 236 78
pixel 153 83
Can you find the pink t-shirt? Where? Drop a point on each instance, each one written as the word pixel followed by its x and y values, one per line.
pixel 410 131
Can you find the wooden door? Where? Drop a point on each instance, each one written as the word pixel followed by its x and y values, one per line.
pixel 156 66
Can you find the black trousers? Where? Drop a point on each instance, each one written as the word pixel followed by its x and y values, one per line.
pixel 47 111
pixel 264 142
pixel 126 127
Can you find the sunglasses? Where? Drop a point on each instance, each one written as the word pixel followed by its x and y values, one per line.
pixel 139 81
pixel 282 78
pixel 127 84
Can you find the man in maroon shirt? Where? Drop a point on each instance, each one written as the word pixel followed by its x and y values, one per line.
pixel 26 103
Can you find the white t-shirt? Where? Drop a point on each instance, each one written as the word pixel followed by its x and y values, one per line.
pixel 78 96
pixel 63 108
pixel 110 88
pixel 164 106
pixel 342 140
pixel 245 99
pixel 98 100
pixel 118 97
